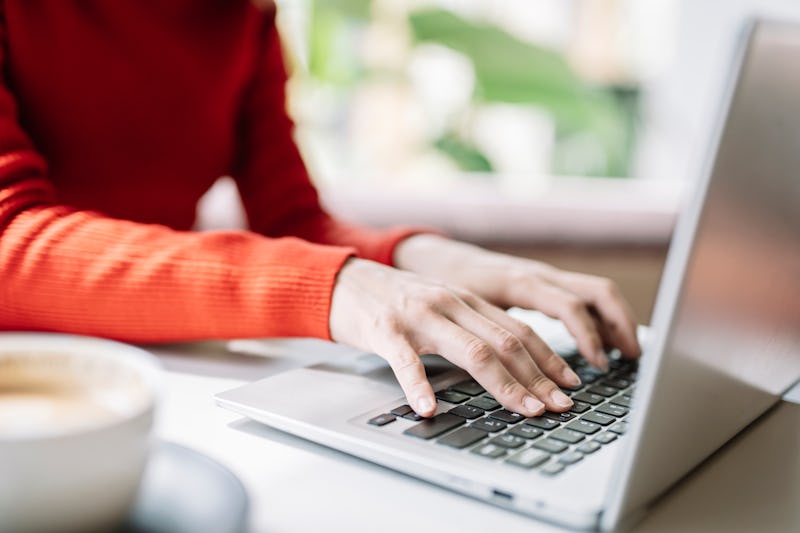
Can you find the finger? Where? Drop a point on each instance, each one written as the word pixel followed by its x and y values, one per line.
pixel 605 336
pixel 543 356
pixel 573 312
pixel 612 308
pixel 477 357
pixel 513 355
pixel 410 373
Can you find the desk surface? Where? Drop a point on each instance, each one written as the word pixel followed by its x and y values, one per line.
pixel 753 484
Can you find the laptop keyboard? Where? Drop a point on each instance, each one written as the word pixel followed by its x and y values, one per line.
pixel 551 442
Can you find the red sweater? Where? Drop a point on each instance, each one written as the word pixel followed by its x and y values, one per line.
pixel 115 117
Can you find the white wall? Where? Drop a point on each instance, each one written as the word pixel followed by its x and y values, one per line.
pixel 684 102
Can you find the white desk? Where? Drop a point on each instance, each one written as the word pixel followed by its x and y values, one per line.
pixel 753 484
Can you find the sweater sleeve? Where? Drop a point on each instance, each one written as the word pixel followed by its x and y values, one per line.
pixel 276 191
pixel 76 271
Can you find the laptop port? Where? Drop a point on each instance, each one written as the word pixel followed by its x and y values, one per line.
pixel 504 496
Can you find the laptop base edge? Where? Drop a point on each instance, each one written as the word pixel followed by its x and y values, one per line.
pixel 367 451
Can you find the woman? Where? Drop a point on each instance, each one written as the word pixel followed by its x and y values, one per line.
pixel 115 117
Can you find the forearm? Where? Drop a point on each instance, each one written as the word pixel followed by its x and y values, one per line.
pixel 83 273
pixel 377 245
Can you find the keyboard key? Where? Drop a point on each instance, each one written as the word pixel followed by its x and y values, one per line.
pixel 617 383
pixel 588 447
pixel 623 400
pixel 526 432
pixel 567 435
pixel 413 416
pixel 605 438
pixel 630 365
pixel 466 411
pixel 507 416
pixel 571 356
pixel 450 396
pixel 552 469
pixel 619 428
pixel 570 458
pixel 433 427
pixel 542 422
pixel 402 410
pixel 588 397
pixel 585 427
pixel 615 361
pixel 602 390
pixel 508 440
pixel 550 445
pixel 488 395
pixel 462 437
pixel 489 450
pixel 489 424
pixel 589 374
pixel 569 390
pixel 579 407
pixel 558 417
pixel 470 387
pixel 381 420
pixel 627 373
pixel 598 418
pixel 613 410
pixel 486 404
pixel 528 458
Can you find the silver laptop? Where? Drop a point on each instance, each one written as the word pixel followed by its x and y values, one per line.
pixel 724 346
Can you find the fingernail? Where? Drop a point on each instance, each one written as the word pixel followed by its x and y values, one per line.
pixel 571 377
pixel 560 399
pixel 425 405
pixel 603 360
pixel 532 404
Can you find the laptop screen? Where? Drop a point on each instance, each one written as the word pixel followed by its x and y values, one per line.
pixel 728 314
pixel 739 311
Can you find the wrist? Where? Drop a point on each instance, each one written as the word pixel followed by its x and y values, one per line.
pixel 344 288
pixel 349 310
pixel 429 254
pixel 492 275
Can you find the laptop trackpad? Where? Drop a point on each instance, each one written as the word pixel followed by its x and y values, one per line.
pixel 328 392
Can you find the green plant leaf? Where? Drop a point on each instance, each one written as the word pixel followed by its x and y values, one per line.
pixel 465 155
pixel 333 37
pixel 510 70
pixel 506 68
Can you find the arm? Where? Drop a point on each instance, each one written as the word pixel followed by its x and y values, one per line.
pixel 82 272
pixel 275 187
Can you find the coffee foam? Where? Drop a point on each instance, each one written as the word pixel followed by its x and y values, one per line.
pixel 51 393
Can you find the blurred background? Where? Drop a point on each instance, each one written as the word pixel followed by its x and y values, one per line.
pixel 565 130
pixel 425 93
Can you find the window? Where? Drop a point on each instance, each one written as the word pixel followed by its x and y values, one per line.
pixel 418 91
pixel 470 115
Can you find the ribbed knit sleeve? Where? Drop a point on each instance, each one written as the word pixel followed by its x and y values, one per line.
pixel 272 173
pixel 77 271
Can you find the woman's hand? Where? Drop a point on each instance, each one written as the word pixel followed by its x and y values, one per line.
pixel 400 315
pixel 592 308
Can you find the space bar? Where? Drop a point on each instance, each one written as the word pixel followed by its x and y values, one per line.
pixel 427 429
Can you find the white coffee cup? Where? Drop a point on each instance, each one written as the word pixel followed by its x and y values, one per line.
pixel 75 420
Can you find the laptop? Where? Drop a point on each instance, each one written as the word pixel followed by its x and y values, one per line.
pixel 723 347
